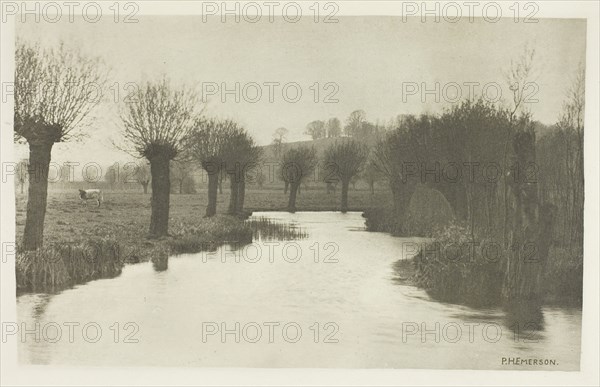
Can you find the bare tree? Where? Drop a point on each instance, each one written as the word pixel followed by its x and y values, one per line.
pixel 207 145
pixel 260 179
pixel 279 138
pixel 371 174
pixel 241 154
pixel 156 123
pixel 112 175
pixel 355 121
pixel 55 90
pixel 345 159
pixel 181 173
pixel 251 158
pixel 518 77
pixel 22 167
pixel 389 155
pixel 334 128
pixel 316 129
pixel 298 163
pixel 571 125
pixel 66 172
pixel 142 175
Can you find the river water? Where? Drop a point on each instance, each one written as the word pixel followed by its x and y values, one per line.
pixel 330 300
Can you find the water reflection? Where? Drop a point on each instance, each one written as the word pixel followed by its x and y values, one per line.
pixel 356 291
pixel 524 317
pixel 160 262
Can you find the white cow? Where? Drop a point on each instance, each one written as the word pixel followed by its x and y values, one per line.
pixel 91 194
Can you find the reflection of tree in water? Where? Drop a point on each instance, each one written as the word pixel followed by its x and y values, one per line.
pixel 39 309
pixel 524 319
pixel 160 262
pixel 37 350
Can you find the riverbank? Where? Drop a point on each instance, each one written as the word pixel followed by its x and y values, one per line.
pixel 83 243
pixel 475 280
pixel 86 256
pixel 75 231
pixel 350 286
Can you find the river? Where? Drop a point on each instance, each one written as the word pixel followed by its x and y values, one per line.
pixel 329 300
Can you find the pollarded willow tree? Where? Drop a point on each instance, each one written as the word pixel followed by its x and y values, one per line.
pixel 345 160
pixel 21 174
pixel 207 144
pixel 142 175
pixel 55 91
pixel 241 156
pixel 156 123
pixel 250 168
pixel 297 164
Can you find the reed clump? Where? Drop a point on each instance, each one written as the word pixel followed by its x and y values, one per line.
pixel 61 265
pixel 209 234
pixel 267 229
pixel 452 268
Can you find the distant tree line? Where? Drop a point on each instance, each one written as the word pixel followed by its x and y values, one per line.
pixel 356 126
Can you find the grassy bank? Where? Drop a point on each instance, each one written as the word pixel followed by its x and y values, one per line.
pixel 124 217
pixel 85 242
pixel 62 264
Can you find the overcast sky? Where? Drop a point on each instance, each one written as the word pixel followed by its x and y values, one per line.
pixel 368 58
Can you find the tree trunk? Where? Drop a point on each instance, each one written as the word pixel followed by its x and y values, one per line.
pixel 345 184
pixel 372 187
pixel 39 163
pixel 213 183
pixel 401 193
pixel 220 181
pixel 233 198
pixel 241 195
pixel 145 186
pixel 286 186
pixel 22 184
pixel 161 188
pixel 531 231
pixel 292 200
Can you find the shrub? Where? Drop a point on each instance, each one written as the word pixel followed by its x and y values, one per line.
pixel 428 212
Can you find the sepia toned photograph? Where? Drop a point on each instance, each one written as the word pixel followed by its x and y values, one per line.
pixel 286 187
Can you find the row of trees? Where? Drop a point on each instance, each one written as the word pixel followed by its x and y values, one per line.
pixel 343 160
pixel 503 177
pixel 166 126
pixel 222 146
pixel 115 177
pixel 181 176
pixel 330 128
pixel 560 157
pixel 163 125
pixel 356 126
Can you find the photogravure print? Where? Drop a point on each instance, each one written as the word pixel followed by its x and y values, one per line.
pixel 296 185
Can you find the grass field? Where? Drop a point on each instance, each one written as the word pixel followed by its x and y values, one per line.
pixel 125 215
